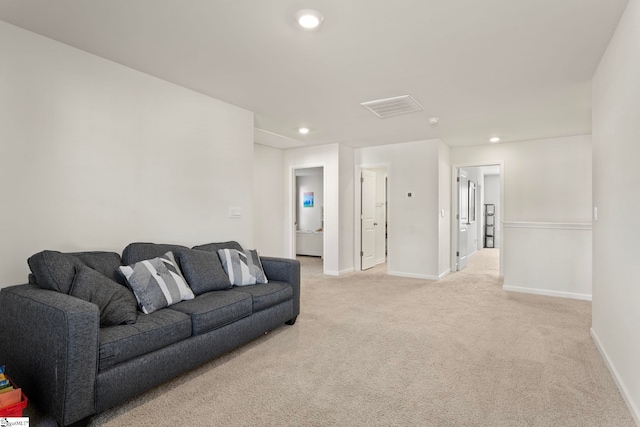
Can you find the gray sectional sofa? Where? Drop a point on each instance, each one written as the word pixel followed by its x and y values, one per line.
pixel 72 368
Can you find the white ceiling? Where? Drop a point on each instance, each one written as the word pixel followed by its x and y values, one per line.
pixel 518 69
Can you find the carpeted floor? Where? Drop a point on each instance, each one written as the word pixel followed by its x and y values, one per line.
pixel 375 350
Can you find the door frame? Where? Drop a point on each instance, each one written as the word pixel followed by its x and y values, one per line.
pixel 291 228
pixel 372 180
pixel 462 182
pixel 454 209
pixel 358 212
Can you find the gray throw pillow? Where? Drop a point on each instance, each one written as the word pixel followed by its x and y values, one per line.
pixel 243 268
pixel 116 303
pixel 203 270
pixel 157 283
pixel 56 270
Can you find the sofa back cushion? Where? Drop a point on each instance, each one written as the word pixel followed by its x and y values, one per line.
pixel 55 270
pixel 202 270
pixel 215 247
pixel 136 252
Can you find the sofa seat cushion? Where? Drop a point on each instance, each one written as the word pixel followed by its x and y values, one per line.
pixel 150 332
pixel 213 310
pixel 266 295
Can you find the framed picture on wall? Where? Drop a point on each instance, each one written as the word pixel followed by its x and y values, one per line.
pixel 307 200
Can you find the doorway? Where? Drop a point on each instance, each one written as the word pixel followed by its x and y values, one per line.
pixel 372 208
pixel 477 189
pixel 309 217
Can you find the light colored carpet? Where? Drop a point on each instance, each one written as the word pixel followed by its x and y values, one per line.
pixel 375 350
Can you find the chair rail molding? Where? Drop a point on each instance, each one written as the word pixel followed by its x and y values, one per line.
pixel 549 225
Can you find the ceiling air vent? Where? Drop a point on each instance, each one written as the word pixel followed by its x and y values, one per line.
pixel 395 106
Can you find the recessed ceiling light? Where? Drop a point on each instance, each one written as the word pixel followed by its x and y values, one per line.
pixel 434 120
pixel 494 139
pixel 309 19
pixel 303 131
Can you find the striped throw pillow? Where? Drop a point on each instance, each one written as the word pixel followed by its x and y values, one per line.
pixel 242 267
pixel 157 283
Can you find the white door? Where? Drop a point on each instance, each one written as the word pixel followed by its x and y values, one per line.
pixel 463 219
pixel 368 224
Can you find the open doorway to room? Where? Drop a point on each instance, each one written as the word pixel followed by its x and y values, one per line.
pixel 309 220
pixel 371 217
pixel 478 206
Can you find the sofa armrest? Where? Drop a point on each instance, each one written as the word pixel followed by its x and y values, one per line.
pixel 284 270
pixel 50 347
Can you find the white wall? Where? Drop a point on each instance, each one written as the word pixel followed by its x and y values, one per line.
pixel 616 150
pixel 413 221
pixel 492 196
pixel 310 218
pixel 96 155
pixel 268 198
pixel 547 201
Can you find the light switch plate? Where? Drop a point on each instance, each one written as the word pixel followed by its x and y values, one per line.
pixel 235 212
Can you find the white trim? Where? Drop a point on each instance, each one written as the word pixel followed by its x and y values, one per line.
pixel 472 254
pixel 546 292
pixel 412 275
pixel 444 274
pixel 381 261
pixel 549 225
pixel 338 273
pixel 626 396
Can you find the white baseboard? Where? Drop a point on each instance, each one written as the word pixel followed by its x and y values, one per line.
pixel 633 408
pixel 381 261
pixel 412 275
pixel 445 273
pixel 338 273
pixel 472 254
pixel 546 292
